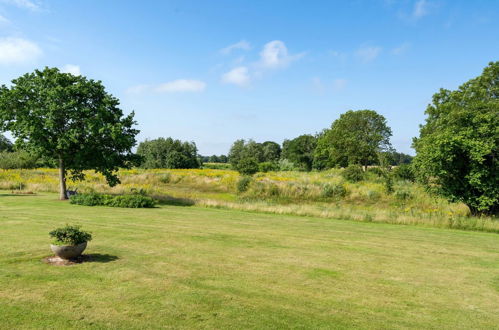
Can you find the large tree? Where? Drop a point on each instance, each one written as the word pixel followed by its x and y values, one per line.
pixel 5 144
pixel 457 149
pixel 168 153
pixel 245 156
pixel 357 137
pixel 69 119
pixel 300 151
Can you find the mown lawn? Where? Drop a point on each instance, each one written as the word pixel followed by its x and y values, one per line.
pixel 193 267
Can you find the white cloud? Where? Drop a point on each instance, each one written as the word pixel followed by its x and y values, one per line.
pixel 368 54
pixel 339 84
pixel 401 49
pixel 26 4
pixel 275 55
pixel 4 20
pixel 17 50
pixel 243 45
pixel 71 68
pixel 237 76
pixel 420 9
pixel 175 86
pixel 181 85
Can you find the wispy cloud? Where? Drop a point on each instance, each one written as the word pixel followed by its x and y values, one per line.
pixel 368 54
pixel 275 55
pixel 421 8
pixel 18 51
pixel 175 86
pixel 71 68
pixel 243 45
pixel 401 49
pixel 4 20
pixel 238 76
pixel 25 4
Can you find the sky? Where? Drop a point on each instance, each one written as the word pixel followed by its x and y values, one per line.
pixel 216 71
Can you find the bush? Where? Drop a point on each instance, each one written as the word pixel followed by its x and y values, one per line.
pixel 286 165
pixel 333 191
pixel 70 235
pixel 127 201
pixel 267 167
pixel 165 178
pixel 353 173
pixel 91 199
pixel 17 159
pixel 403 194
pixel 388 183
pixel 376 171
pixel 247 166
pixel 243 184
pixel 404 172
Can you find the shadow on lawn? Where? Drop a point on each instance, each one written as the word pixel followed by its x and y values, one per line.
pixel 98 257
pixel 175 201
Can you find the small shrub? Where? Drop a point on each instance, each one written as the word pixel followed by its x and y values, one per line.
pixel 333 191
pixel 128 201
pixel 388 183
pixel 70 235
pixel 373 195
pixel 403 194
pixel 404 172
pixel 286 165
pixel 165 178
pixel 243 184
pixel 247 166
pixel 353 173
pixel 91 199
pixel 376 171
pixel 267 167
pixel 273 190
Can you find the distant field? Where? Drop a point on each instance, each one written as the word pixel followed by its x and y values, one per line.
pixel 192 267
pixel 294 193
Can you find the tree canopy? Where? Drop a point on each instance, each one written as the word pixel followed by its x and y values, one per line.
pixel 457 149
pixel 357 137
pixel 5 144
pixel 71 120
pixel 168 153
pixel 300 151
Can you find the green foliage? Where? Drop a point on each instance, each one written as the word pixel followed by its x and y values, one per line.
pixel 70 235
pixel 404 172
pixel 168 153
pixel 388 182
pixel 247 166
pixel 403 194
pixel 353 173
pixel 457 150
pixel 376 171
pixel 271 151
pixel 268 167
pixel 300 151
pixel 17 159
pixel 245 156
pixel 244 183
pixel 217 166
pixel 125 201
pixel 286 165
pixel 330 190
pixel 357 137
pixel 5 144
pixel 166 178
pixel 71 120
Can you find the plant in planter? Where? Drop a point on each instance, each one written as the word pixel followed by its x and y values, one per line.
pixel 69 241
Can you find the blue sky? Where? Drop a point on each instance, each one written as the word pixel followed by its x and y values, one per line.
pixel 215 71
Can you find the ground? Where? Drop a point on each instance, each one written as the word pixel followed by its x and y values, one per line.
pixel 193 267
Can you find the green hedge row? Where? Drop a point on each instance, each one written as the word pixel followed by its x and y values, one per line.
pixel 130 201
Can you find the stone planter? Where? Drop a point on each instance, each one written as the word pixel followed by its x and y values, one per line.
pixel 68 251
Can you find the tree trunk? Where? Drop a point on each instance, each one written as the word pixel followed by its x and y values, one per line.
pixel 62 180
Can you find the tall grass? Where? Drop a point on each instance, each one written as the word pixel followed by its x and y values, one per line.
pixel 321 194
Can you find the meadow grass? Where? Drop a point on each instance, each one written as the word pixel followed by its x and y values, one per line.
pixel 193 267
pixel 294 193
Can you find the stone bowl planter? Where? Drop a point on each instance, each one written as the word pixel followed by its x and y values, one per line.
pixel 68 251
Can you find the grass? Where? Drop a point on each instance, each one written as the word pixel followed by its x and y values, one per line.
pixel 294 193
pixel 193 267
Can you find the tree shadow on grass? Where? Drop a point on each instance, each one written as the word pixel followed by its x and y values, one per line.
pixel 175 201
pixel 98 257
